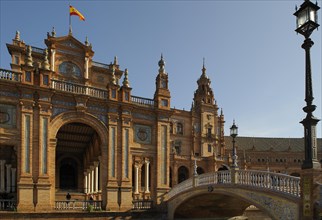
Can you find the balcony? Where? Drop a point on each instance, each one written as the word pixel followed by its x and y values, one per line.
pixel 10 75
pixel 78 89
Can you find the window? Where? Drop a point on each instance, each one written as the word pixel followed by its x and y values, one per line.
pixel 164 102
pixel 45 80
pixel 127 96
pixel 179 128
pixel 177 147
pixel 16 60
pixel 209 148
pixel 28 76
pixel 209 132
pixel 113 94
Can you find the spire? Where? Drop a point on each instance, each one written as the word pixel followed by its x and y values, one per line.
pixel 45 63
pixel 53 32
pixel 17 37
pixel 203 67
pixel 161 64
pixel 28 60
pixel 126 82
pixel 113 76
pixel 86 41
pixel 116 62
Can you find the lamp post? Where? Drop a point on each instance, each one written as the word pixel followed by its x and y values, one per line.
pixel 306 22
pixel 233 134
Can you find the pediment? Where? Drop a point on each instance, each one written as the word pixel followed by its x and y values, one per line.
pixel 70 42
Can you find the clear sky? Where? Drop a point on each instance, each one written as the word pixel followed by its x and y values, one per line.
pixel 252 54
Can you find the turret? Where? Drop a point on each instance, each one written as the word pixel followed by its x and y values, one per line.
pixel 162 93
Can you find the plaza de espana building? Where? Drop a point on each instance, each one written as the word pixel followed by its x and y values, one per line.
pixel 71 125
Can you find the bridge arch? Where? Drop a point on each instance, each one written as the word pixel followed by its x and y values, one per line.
pixel 278 201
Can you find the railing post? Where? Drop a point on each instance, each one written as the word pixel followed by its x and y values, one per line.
pixel 234 175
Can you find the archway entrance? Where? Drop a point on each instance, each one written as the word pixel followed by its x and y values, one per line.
pixel 77 162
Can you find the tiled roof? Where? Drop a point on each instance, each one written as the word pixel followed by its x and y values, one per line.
pixel 269 144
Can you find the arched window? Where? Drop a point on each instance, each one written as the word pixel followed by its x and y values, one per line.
pixel 183 174
pixel 69 69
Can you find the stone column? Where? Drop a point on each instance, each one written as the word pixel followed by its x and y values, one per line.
pixel 52 62
pixel 147 166
pixel 13 179
pixel 89 181
pixel 92 180
pixel 85 183
pixel 8 166
pixel 86 68
pixel 136 179
pixel 96 178
pixel 2 175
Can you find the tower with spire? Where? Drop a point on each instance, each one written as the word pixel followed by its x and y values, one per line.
pixel 162 92
pixel 208 139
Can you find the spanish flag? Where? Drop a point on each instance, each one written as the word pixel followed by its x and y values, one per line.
pixel 74 11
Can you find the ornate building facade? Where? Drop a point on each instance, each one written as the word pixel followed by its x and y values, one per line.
pixel 69 124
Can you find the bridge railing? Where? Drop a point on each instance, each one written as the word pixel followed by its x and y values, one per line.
pixel 260 179
pixel 267 180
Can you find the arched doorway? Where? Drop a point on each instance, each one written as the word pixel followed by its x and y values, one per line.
pixel 77 160
pixel 183 174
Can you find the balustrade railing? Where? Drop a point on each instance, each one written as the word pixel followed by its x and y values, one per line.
pixel 142 101
pixel 142 204
pixel 84 205
pixel 10 75
pixel 8 205
pixel 78 89
pixel 256 179
pixel 103 65
pixel 274 181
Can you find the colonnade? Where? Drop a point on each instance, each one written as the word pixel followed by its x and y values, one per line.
pixel 7 177
pixel 91 179
pixel 137 168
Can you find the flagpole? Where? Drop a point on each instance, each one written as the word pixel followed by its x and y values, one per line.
pixel 70 21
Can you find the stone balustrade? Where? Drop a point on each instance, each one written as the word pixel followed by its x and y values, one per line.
pixel 277 182
pixel 78 204
pixel 78 89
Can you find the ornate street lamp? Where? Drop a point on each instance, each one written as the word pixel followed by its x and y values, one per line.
pixel 233 134
pixel 306 22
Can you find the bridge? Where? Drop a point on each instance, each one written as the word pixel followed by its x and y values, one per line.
pixel 275 194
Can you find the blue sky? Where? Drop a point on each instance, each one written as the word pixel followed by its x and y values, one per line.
pixel 252 54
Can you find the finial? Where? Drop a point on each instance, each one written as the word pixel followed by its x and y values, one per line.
pixel 29 57
pixel 221 112
pixel 126 82
pixel 203 68
pixel 86 41
pixel 53 32
pixel 45 64
pixel 17 37
pixel 295 7
pixel 116 62
pixel 113 76
pixel 161 64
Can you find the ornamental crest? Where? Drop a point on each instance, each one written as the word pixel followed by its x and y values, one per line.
pixel 142 134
